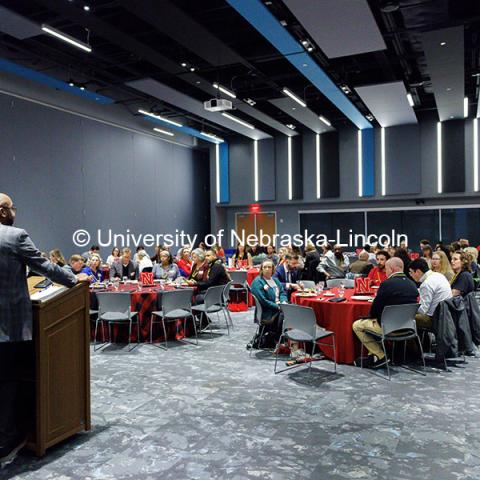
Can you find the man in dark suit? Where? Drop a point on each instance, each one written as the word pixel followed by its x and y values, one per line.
pixel 124 268
pixel 16 350
pixel 396 290
pixel 288 274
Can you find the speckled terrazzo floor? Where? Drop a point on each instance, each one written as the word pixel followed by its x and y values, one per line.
pixel 211 412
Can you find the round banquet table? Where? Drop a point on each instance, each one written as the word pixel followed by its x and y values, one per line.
pixel 338 318
pixel 144 301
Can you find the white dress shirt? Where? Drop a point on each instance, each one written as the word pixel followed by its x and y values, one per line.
pixel 433 290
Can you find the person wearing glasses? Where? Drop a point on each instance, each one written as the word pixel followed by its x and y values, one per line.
pixel 17 251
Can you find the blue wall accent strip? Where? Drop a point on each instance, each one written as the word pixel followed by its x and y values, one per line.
pixel 224 173
pixel 11 67
pixel 368 162
pixel 187 130
pixel 258 15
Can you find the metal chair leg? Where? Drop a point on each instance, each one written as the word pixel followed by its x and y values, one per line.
pixel 334 352
pixel 165 333
pixel 386 359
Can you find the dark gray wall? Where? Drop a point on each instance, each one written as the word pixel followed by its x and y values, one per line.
pixel 66 172
pixel 411 175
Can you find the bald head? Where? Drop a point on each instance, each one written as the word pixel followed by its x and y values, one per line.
pixel 393 265
pixel 7 212
pixel 363 256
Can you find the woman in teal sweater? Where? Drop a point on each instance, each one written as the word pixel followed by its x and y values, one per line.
pixel 268 291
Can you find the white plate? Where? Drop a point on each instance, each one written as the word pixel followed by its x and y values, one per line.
pixel 329 294
pixel 361 297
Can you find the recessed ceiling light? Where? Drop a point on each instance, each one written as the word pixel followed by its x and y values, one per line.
pixel 86 8
pixel 442 44
pixel 291 126
pixel 451 116
pixel 82 88
pixel 305 43
pixel 310 49
pixel 71 84
pixel 250 101
pixel 449 89
pixel 369 117
pixel 198 82
pixel 192 69
pixel 294 108
pixel 305 65
pixel 183 64
pixel 283 22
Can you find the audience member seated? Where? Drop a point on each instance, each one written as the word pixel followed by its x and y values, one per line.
pixel 166 269
pixel 371 256
pixel 114 256
pixel 219 252
pixel 397 289
pixel 272 255
pixel 288 274
pixel 462 281
pixel 378 274
pixel 403 255
pixel 334 263
pixel 256 250
pixel 270 293
pixel 94 249
pixel 441 264
pixel 424 243
pixel 427 254
pixel 434 288
pixel 241 257
pixel 140 248
pixel 404 245
pixel 125 269
pixel 184 262
pixel 312 259
pixel 199 266
pixel 155 258
pixel 93 269
pixel 144 263
pixel 258 254
pixel 216 275
pixel 282 253
pixel 361 266
pixel 76 264
pixel 472 254
pixel 57 257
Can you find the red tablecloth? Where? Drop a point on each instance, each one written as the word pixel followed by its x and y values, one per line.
pixel 144 301
pixel 338 318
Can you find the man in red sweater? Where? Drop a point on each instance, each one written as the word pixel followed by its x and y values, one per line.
pixel 377 274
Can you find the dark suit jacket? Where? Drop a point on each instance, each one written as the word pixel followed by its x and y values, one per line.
pixel 281 275
pixel 116 270
pixel 16 251
pixel 217 275
pixel 396 290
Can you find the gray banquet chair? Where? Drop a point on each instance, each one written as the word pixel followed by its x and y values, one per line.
pixel 213 303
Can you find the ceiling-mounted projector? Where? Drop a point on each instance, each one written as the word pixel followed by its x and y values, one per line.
pixel 217 105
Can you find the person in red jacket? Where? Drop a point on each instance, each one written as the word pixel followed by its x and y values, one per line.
pixel 184 262
pixel 378 274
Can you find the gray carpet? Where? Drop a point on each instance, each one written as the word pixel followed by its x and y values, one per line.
pixel 211 412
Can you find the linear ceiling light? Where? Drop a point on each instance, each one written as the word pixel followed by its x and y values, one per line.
pixel 66 38
pixel 236 119
pixel 212 136
pixel 439 158
pixel 465 107
pixel 159 117
pixel 317 164
pixel 325 121
pixel 410 100
pixel 226 91
pixel 290 94
pixel 159 130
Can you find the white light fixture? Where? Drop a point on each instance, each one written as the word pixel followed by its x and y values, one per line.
pixel 382 147
pixel 439 158
pixel 442 44
pixel 465 107
pixel 217 171
pixel 346 89
pixel 82 88
pixel 255 168
pixel 305 43
pixel 250 101
pixel 226 91
pixel 291 126
pixel 164 132
pixel 212 136
pixel 86 8
pixel 310 49
pixel 192 69
pixel 183 64
pixel 360 164
pixel 289 168
pixel 71 84
pixel 317 164
pixel 475 155
pixel 325 121
pixel 410 100
pixel 236 119
pixel 290 94
pixel 369 117
pixel 159 117
pixel 66 38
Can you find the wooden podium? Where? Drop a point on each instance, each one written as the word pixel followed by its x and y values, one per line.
pixel 61 335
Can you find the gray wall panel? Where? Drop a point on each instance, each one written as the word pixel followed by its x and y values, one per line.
pixel 266 169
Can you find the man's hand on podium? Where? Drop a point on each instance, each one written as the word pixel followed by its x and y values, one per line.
pixel 83 277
